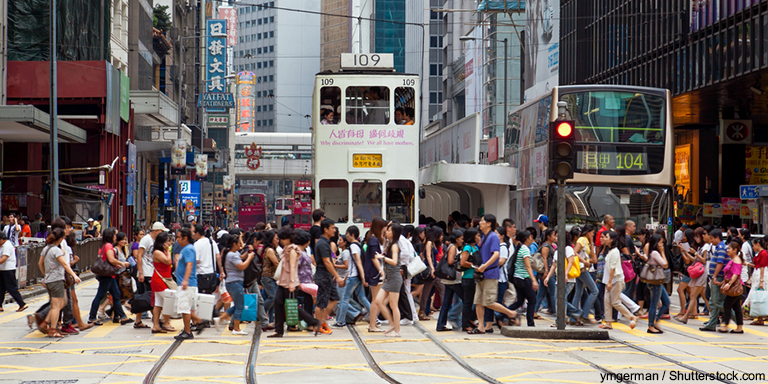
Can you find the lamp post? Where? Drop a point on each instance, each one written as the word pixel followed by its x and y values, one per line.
pixel 506 66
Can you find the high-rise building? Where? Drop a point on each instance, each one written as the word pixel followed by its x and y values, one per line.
pixel 280 47
pixel 423 52
pixel 341 34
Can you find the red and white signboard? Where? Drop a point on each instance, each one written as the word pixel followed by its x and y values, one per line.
pixel 493 149
pixel 230 15
pixel 736 131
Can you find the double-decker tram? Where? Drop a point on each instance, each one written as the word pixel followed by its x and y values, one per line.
pixel 251 210
pixel 365 127
pixel 625 155
pixel 302 204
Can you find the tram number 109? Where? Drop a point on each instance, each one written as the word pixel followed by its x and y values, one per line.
pixel 367 60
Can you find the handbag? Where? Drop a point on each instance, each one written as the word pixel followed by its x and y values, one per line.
pixel 416 266
pixel 758 303
pixel 250 307
pixel 575 271
pixel 734 290
pixel 537 263
pixel 626 267
pixel 141 302
pixel 292 311
pixel 652 274
pixel 102 267
pixel 208 282
pixel 225 296
pixel 695 270
pixel 444 270
pixel 168 281
pixel 309 288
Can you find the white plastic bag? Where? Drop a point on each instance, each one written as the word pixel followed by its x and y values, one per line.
pixel 225 296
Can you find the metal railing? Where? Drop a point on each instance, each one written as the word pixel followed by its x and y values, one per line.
pixel 87 250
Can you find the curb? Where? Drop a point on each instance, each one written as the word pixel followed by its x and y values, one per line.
pixel 554 334
pixel 38 289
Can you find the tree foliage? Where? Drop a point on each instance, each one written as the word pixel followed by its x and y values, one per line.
pixel 161 18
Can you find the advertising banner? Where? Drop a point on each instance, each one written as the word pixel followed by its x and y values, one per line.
pixel 731 206
pixel 756 165
pixel 179 157
pixel 230 15
pixel 201 167
pixel 473 73
pixel 131 175
pixel 713 210
pixel 683 166
pixel 216 57
pixel 246 98
pixel 227 181
pixel 542 53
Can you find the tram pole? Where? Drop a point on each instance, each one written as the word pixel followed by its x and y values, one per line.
pixel 562 279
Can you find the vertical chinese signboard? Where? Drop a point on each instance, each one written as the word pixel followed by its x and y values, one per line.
pixel 216 58
pixel 246 92
pixel 230 15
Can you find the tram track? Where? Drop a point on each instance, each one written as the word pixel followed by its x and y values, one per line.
pixel 250 365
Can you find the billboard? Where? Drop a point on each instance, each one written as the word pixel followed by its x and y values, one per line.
pixel 473 73
pixel 230 15
pixel 216 58
pixel 246 98
pixel 542 49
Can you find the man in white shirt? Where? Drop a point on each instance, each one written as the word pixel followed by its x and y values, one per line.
pixel 8 281
pixel 207 253
pixel 12 230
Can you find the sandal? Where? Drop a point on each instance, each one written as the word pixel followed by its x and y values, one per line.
pixel 140 325
pixel 22 309
pixel 476 331
pixel 392 334
pixel 489 330
pixel 537 317
pixel 95 323
pixel 84 327
pixel 633 324
pixel 159 331
pixel 53 332
pixel 375 330
pixel 605 326
pixel 757 322
pixel 124 321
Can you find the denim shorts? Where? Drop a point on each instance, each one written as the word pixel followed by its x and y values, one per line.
pixel 686 279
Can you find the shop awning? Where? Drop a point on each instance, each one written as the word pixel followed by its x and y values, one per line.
pixel 27 124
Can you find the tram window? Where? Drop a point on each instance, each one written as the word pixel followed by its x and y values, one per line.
pixel 366 200
pixel 334 199
pixel 405 113
pixel 400 198
pixel 367 105
pixel 330 103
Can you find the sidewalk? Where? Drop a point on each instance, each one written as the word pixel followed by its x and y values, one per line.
pixel 38 289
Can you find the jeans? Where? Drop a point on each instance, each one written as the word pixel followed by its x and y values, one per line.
pixel 235 290
pixel 500 299
pixel 629 289
pixel 716 301
pixel 525 292
pixel 585 281
pixel 261 314
pixel 270 290
pixel 600 309
pixel 658 292
pixel 445 308
pixel 546 292
pixel 457 309
pixel 106 285
pixel 572 311
pixel 468 286
pixel 354 287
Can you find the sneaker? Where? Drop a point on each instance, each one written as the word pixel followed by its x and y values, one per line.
pixel 382 322
pixel 665 316
pixel 184 336
pixel 239 333
pixel 406 322
pixel 339 325
pixel 69 330
pixel 102 316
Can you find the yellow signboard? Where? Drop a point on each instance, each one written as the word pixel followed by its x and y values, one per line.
pixel 757 165
pixel 366 161
pixel 683 166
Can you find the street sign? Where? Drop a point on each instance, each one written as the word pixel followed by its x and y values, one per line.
pixel 216 100
pixel 218 120
pixel 749 192
pixel 763 190
pixel 189 191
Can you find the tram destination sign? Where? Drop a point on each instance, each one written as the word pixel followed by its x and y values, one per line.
pixel 611 161
pixel 215 100
pixel 366 160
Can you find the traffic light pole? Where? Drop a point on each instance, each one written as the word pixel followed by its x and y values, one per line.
pixel 562 278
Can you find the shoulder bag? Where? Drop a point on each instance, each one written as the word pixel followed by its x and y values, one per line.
pixel 575 270
pixel 208 282
pixel 537 262
pixel 69 280
pixel 416 266
pixel 652 274
pixel 735 289
pixel 445 270
pixel 696 269
pixel 626 267
pixel 102 267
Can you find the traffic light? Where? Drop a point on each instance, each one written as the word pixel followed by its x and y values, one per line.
pixel 562 149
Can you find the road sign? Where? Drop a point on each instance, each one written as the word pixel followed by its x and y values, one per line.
pixel 216 100
pixel 189 191
pixel 749 192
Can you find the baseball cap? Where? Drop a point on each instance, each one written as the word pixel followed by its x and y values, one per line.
pixel 542 219
pixel 158 226
pixel 89 220
pixel 221 233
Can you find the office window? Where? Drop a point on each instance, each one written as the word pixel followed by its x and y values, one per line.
pixel 258 65
pixel 271 19
pixel 258 36
pixel 270 122
pixel 258 51
pixel 271 33
pixel 241 39
pixel 271 107
pixel 258 94
pixel 247 23
pixel 258 108
pixel 271 77
pixel 264 122
pixel 271 63
pixel 253 8
pixel 259 7
pixel 271 92
pixel 271 48
pixel 271 3
pixel 258 123
pixel 259 21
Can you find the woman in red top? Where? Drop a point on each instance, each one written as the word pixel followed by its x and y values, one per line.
pixel 760 275
pixel 161 280
pixel 108 284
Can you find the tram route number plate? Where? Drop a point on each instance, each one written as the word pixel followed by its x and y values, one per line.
pixel 366 161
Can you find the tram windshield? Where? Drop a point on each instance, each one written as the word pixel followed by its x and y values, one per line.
pixel 366 200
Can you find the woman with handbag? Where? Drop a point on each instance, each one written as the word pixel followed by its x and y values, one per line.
pixel 687 254
pixel 732 287
pixel 759 277
pixel 521 274
pixel 390 290
pixel 697 274
pixel 452 286
pixel 571 271
pixel 108 283
pixel 427 277
pixel 585 250
pixel 471 240
pixel 235 264
pixel 269 255
pixel 161 280
pixel 653 274
pixel 55 264
pixel 613 279
pixel 371 265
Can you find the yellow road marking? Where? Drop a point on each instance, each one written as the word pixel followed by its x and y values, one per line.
pixel 102 330
pixel 692 331
pixel 634 332
pixel 749 330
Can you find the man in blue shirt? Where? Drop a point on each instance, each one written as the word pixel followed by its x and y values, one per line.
pixel 716 263
pixel 186 274
pixel 486 293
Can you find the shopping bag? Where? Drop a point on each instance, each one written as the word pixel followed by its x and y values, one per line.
pixel 169 303
pixel 510 295
pixel 292 311
pixel 250 307
pixel 226 298
pixel 415 266
pixel 204 306
pixel 758 303
pixel 309 288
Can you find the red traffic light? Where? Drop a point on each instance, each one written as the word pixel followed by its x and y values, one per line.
pixel 564 129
